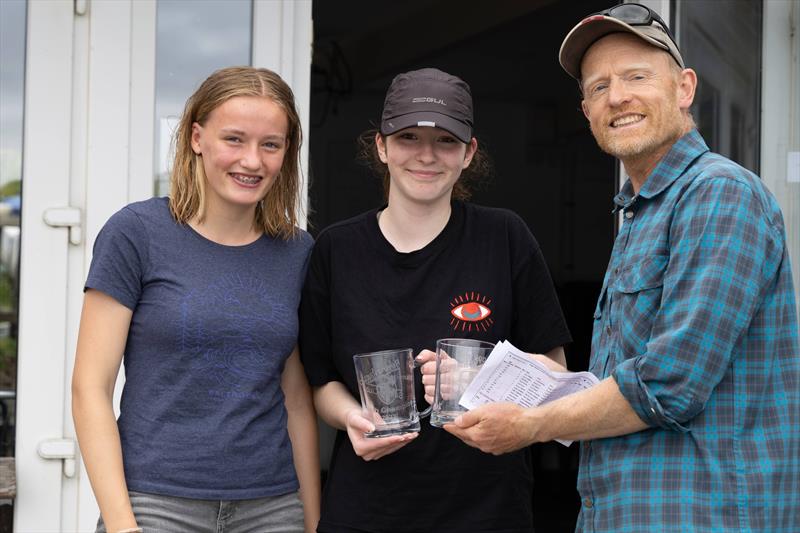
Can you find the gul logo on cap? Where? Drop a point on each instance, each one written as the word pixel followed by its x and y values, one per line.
pixel 428 100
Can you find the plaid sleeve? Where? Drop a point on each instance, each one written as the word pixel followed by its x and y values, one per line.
pixel 722 253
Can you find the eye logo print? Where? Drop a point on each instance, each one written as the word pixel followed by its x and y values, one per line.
pixel 471 310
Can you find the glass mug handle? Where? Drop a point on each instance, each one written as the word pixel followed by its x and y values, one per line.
pixel 426 413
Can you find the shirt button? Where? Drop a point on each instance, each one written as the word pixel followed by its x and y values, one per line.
pixel 587 502
pixel 608 329
pixel 628 214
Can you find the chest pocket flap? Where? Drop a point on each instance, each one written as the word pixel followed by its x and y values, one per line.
pixel 642 275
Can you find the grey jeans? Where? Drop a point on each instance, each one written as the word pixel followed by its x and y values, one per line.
pixel 167 514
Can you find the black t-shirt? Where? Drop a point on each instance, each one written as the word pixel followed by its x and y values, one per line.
pixel 482 277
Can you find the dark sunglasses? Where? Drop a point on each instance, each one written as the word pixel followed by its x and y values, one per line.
pixel 636 15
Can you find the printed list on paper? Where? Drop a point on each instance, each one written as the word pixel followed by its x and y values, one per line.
pixel 510 375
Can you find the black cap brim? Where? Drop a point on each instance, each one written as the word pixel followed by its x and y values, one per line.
pixel 430 119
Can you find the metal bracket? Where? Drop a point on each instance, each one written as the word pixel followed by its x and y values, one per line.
pixel 80 7
pixel 65 217
pixel 63 449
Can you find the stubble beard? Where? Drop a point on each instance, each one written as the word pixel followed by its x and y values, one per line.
pixel 663 132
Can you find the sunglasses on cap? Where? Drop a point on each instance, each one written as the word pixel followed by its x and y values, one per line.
pixel 636 15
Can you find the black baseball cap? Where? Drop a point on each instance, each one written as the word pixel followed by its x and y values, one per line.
pixel 428 97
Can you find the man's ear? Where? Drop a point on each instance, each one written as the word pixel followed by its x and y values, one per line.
pixel 585 109
pixel 687 85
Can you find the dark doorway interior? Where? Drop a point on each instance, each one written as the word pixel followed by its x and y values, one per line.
pixel 527 112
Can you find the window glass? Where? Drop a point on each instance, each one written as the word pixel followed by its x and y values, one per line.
pixel 12 76
pixel 721 41
pixel 193 39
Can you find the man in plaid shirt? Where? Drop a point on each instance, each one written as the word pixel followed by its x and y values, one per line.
pixel 695 425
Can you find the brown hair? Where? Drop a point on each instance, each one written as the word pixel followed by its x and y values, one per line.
pixel 478 171
pixel 276 214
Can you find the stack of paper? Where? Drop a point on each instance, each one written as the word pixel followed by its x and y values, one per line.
pixel 511 375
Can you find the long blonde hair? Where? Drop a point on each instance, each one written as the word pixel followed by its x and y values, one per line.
pixel 276 214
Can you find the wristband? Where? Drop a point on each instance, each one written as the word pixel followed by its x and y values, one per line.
pixel 131 530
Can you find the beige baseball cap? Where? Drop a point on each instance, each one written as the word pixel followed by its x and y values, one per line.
pixel 626 18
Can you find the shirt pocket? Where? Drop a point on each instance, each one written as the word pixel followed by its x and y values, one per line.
pixel 638 291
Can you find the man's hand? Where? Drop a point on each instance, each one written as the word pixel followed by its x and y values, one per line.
pixel 495 428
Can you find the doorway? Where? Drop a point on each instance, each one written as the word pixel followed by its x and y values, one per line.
pixel 548 168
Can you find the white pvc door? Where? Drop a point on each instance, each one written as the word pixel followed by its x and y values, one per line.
pixel 86 110
pixel 90 96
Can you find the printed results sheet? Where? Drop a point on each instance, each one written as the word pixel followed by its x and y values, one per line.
pixel 510 375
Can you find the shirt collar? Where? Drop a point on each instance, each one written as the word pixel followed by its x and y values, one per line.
pixel 682 154
pixel 624 197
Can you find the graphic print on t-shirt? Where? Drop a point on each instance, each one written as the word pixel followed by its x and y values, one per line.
pixel 471 310
pixel 225 328
pixel 384 380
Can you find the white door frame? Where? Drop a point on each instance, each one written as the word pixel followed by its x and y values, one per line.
pixel 77 139
pixel 780 118
pixel 282 40
pixel 44 280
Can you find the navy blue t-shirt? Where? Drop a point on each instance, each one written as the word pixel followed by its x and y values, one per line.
pixel 202 412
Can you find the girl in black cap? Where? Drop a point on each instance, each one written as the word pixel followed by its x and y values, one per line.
pixel 426 265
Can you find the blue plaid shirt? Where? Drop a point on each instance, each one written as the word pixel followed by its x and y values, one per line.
pixel 696 321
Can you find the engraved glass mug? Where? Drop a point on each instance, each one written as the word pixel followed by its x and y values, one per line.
pixel 457 363
pixel 386 386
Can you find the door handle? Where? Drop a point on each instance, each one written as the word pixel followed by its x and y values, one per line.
pixel 63 449
pixel 65 217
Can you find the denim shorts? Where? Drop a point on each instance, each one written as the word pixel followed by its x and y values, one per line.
pixel 167 514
